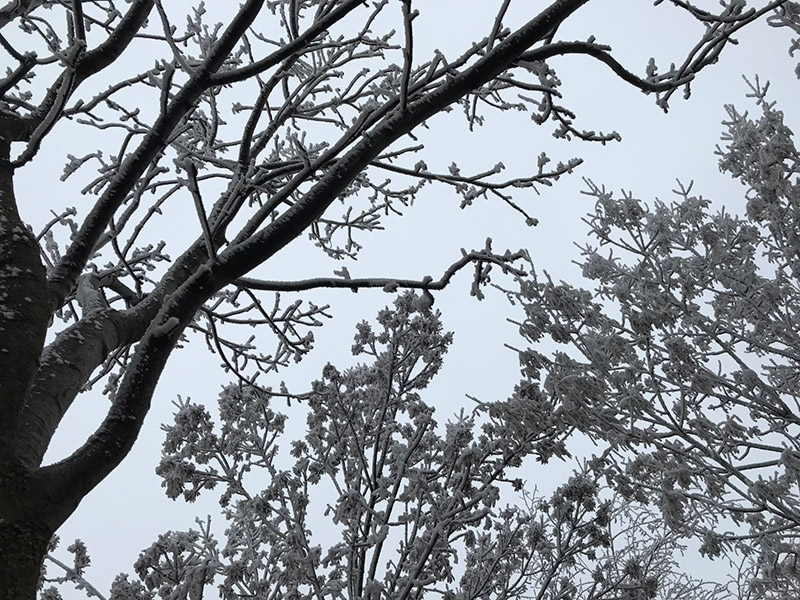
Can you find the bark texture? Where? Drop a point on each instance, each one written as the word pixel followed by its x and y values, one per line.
pixel 24 545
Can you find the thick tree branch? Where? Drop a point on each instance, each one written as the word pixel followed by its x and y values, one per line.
pixel 64 276
pixel 94 61
pixel 71 479
pixel 66 365
pixel 69 361
pixel 17 8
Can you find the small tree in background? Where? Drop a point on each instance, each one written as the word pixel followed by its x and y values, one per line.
pixel 685 359
pixel 377 500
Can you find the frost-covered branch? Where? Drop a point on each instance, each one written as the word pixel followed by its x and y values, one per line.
pixel 482 260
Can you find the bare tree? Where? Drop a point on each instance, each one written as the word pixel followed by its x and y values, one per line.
pixel 262 124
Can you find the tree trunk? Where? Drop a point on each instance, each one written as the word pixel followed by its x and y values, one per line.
pixel 22 550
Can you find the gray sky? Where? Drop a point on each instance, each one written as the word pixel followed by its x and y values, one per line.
pixel 128 510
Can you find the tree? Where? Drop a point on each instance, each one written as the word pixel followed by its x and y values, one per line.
pixel 408 497
pixel 684 359
pixel 262 125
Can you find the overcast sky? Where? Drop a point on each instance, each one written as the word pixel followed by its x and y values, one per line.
pixel 128 510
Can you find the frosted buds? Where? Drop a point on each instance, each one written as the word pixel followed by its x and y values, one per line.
pixel 424 301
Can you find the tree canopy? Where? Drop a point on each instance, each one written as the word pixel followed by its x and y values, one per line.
pixel 683 358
